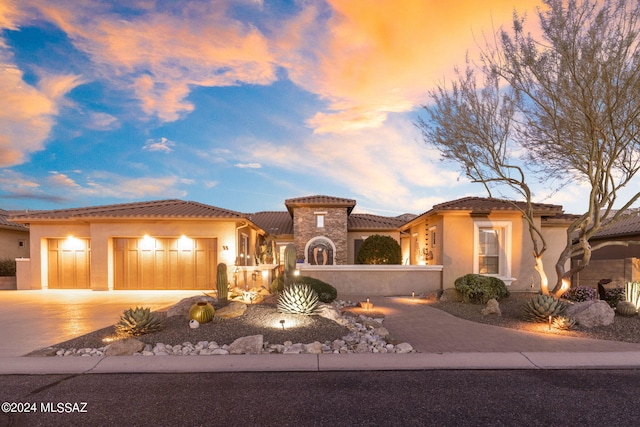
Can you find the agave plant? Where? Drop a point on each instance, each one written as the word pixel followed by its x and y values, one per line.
pixel 138 322
pixel 298 298
pixel 564 323
pixel 540 307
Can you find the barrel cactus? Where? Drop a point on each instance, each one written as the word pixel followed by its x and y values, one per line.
pixel 540 307
pixel 298 298
pixel 222 283
pixel 626 308
pixel 138 322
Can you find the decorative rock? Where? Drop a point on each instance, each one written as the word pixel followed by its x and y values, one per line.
pixel 328 311
pixel 493 307
pixel 314 348
pixel 591 313
pixel 194 324
pixel 451 294
pixel 404 348
pixel 247 345
pixel 233 309
pixel 124 347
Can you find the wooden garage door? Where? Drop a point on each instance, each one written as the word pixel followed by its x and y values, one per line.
pixel 165 263
pixel 68 263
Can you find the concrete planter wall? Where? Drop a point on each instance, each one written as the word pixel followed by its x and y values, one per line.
pixel 380 280
pixel 8 283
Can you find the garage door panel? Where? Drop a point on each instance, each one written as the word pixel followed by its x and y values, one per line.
pixel 68 263
pixel 167 264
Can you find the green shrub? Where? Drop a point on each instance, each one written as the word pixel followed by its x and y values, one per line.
pixel 326 292
pixel 7 267
pixel 479 289
pixel 379 249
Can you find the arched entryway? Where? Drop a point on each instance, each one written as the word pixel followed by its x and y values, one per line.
pixel 320 251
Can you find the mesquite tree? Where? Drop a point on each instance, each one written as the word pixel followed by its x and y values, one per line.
pixel 562 107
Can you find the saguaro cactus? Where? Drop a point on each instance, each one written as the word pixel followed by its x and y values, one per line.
pixel 222 283
pixel 289 263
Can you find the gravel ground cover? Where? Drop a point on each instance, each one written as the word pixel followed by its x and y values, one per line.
pixel 264 319
pixel 258 319
pixel 626 329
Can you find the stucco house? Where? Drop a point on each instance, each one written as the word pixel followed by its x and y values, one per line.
pixel 485 236
pixel 617 263
pixel 175 244
pixel 14 237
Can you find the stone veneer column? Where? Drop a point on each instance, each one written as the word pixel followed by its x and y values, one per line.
pixel 335 228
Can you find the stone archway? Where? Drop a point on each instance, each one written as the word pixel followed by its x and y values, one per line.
pixel 320 251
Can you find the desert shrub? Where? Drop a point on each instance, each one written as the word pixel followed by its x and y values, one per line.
pixel 379 249
pixel 326 292
pixel 580 294
pixel 614 296
pixel 7 267
pixel 479 289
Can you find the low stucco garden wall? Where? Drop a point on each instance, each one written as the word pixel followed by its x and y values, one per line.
pixel 379 280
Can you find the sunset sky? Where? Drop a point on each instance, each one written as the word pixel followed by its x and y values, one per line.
pixel 234 103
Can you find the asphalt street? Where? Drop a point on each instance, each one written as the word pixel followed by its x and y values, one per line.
pixel 365 398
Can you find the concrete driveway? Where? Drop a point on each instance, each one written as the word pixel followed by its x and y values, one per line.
pixel 34 319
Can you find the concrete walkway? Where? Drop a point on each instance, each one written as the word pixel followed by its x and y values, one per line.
pixel 35 319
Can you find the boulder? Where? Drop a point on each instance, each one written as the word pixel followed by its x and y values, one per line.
pixel 327 311
pixel 493 307
pixel 451 295
pixel 591 313
pixel 184 305
pixel 233 309
pixel 124 347
pixel 247 345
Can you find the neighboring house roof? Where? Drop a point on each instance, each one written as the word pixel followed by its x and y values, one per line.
pixel 152 209
pixel 484 206
pixel 276 223
pixel 319 200
pixel 628 225
pixel 6 224
pixel 481 204
pixel 374 222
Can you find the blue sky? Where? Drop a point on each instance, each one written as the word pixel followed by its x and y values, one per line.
pixel 235 103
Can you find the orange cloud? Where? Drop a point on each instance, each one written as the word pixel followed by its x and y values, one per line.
pixel 27 114
pixel 379 56
pixel 161 54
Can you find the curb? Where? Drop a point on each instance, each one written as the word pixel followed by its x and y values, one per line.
pixel 318 362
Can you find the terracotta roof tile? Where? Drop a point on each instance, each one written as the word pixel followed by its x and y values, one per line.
pixel 153 209
pixel 320 200
pixel 275 223
pixel 491 204
pixel 627 225
pixel 5 222
pixel 374 222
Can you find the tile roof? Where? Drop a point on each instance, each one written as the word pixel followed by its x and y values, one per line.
pixel 319 200
pixel 627 225
pixel 374 222
pixel 8 224
pixel 152 209
pixel 482 204
pixel 276 223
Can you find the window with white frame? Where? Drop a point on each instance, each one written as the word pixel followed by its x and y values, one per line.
pixel 492 248
pixel 320 219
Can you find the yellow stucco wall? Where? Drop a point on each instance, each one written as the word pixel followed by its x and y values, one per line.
pixel 10 244
pixel 352 236
pixel 453 248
